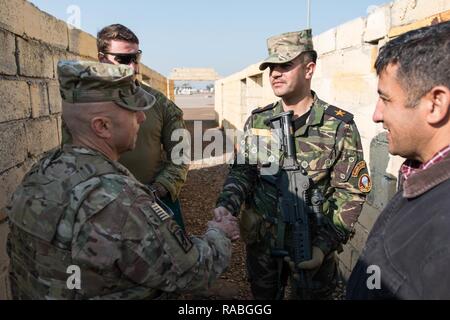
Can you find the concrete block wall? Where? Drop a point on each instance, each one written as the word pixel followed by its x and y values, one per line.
pixel 346 78
pixel 32 43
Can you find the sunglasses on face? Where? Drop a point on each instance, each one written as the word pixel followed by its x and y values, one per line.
pixel 126 58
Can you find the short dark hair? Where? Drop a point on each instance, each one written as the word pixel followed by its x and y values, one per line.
pixel 309 56
pixel 114 32
pixel 423 59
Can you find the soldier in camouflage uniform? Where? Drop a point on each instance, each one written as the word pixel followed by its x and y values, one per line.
pixel 150 162
pixel 328 147
pixel 79 207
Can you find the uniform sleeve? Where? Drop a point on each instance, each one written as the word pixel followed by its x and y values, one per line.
pixel 241 177
pixel 351 183
pixel 148 247
pixel 172 176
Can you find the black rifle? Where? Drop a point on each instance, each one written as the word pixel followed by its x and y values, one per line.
pixel 299 203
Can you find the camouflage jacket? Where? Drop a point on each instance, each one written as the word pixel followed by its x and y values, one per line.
pixel 76 207
pixel 328 147
pixel 150 161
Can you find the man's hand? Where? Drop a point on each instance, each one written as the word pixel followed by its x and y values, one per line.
pixel 314 263
pixel 220 212
pixel 227 224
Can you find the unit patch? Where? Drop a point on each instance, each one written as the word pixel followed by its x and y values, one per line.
pixel 364 183
pixel 359 166
pixel 180 236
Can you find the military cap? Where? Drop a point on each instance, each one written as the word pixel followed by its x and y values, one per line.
pixel 87 81
pixel 287 46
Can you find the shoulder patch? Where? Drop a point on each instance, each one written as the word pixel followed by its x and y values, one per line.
pixel 268 107
pixel 365 183
pixel 359 166
pixel 339 114
pixel 181 237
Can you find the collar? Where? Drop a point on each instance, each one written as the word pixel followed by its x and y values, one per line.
pixel 315 117
pixel 70 148
pixel 423 180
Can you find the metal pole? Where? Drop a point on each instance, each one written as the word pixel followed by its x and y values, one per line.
pixel 308 18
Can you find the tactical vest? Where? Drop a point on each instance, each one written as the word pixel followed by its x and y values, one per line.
pixel 42 215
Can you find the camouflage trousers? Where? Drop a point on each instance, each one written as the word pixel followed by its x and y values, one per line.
pixel 263 275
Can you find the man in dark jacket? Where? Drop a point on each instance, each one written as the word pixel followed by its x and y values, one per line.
pixel 407 254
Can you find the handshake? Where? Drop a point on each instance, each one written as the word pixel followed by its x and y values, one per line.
pixel 225 221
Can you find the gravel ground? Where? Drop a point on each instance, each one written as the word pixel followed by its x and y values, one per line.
pixel 198 198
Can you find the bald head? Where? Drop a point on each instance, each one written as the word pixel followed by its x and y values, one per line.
pixel 80 118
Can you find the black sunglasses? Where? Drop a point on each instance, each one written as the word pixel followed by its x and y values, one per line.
pixel 126 58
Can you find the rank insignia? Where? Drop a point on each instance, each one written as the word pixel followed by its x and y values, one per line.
pixel 340 113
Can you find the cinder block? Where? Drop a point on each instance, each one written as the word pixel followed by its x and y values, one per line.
pixel 350 34
pixel 42 135
pixel 4 263
pixel 9 181
pixel 368 216
pixel 408 11
pixel 82 43
pixel 346 256
pixel 35 59
pixel 344 271
pixel 378 24
pixel 11 17
pixel 359 239
pixel 41 26
pixel 325 42
pixel 351 90
pixel 59 55
pixel 39 99
pixel 347 63
pixel 8 64
pixel 13 144
pixel 54 97
pixel 15 100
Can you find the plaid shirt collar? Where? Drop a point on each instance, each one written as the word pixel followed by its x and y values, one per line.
pixel 410 167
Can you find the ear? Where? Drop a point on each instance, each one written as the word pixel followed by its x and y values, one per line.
pixel 102 127
pixel 439 98
pixel 310 68
pixel 102 58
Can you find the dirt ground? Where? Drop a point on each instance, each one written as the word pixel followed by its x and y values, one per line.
pixel 198 198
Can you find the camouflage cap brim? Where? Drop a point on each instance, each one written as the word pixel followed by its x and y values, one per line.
pixel 277 59
pixel 140 101
pixel 88 81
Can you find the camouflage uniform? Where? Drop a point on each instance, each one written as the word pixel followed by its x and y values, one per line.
pixel 151 160
pixel 78 207
pixel 328 147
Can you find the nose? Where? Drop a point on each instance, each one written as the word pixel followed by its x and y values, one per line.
pixel 275 71
pixel 378 113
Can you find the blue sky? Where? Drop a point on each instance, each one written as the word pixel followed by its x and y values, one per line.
pixel 227 35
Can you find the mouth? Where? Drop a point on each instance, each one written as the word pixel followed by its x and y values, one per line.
pixel 277 83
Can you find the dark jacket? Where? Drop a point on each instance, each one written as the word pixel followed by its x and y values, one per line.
pixel 410 242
